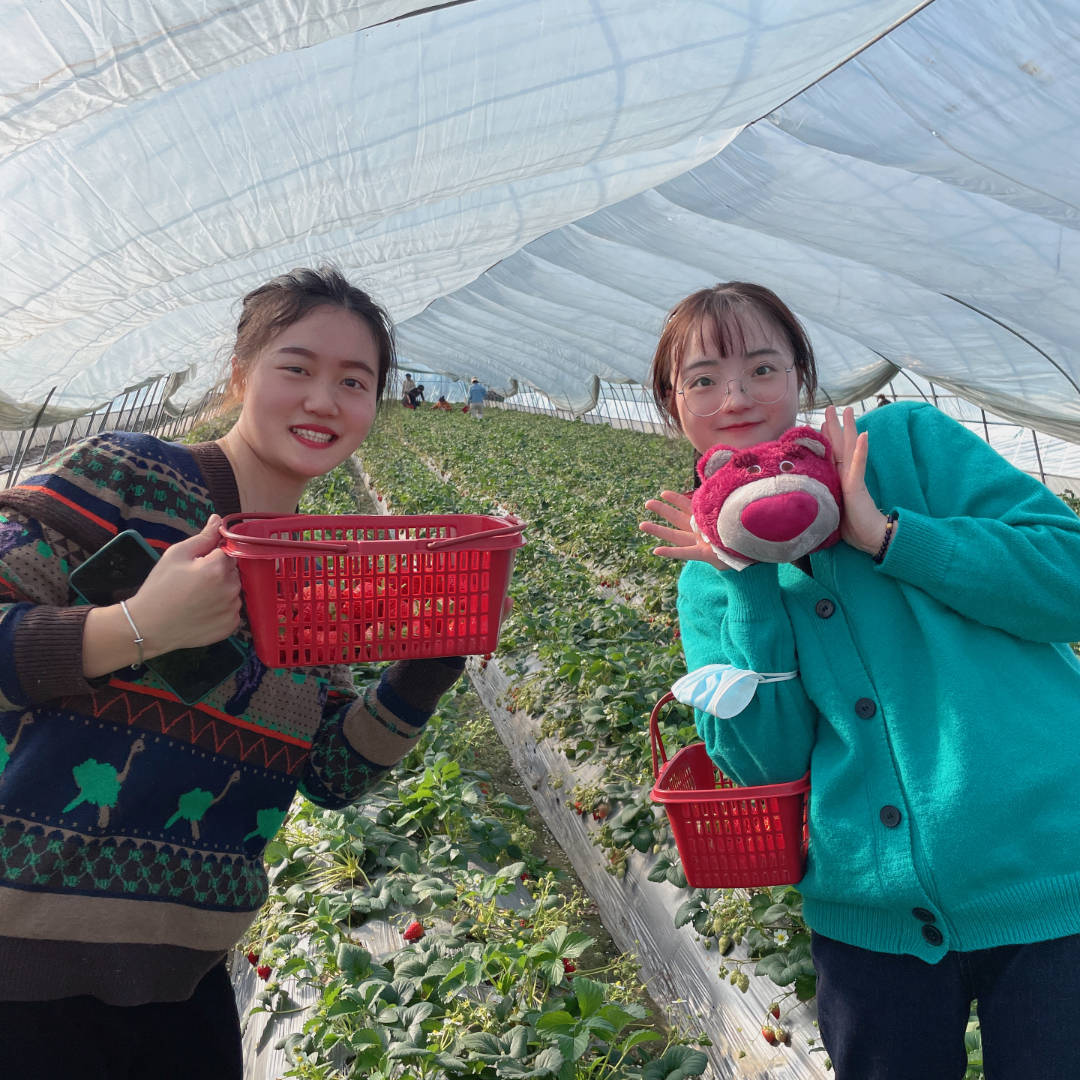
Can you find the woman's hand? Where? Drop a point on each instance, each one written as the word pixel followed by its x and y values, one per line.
pixel 863 524
pixel 191 597
pixel 681 540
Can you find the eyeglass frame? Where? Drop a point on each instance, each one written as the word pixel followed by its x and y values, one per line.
pixel 727 393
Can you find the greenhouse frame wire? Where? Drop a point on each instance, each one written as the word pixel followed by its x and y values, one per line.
pixel 142 408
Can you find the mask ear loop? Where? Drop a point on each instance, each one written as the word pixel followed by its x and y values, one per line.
pixel 707 687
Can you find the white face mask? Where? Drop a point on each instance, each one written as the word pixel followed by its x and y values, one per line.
pixel 723 690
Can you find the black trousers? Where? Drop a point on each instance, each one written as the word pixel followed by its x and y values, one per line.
pixel 885 1017
pixel 81 1038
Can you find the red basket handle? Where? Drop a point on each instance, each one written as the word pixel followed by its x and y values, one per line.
pixel 249 545
pixel 654 734
pixel 470 538
pixel 270 547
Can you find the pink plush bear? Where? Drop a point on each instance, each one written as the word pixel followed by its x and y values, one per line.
pixel 773 502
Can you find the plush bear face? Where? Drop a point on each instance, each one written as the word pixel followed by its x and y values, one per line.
pixel 773 502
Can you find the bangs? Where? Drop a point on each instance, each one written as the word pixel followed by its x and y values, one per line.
pixel 717 326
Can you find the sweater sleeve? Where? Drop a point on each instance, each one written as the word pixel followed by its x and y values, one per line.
pixel 49 523
pixel 991 542
pixel 739 618
pixel 40 634
pixel 362 738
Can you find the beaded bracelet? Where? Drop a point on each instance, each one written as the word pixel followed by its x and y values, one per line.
pixel 890 524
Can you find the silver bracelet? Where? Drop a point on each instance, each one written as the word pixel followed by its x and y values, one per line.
pixel 139 639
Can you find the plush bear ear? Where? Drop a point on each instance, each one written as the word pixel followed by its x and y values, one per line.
pixel 815 446
pixel 716 461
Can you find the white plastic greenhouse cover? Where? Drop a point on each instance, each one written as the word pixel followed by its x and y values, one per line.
pixel 530 184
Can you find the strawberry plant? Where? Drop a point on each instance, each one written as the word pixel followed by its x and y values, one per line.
pixel 477 955
pixel 486 929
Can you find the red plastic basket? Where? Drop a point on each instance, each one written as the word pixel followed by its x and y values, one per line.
pixel 728 837
pixel 352 588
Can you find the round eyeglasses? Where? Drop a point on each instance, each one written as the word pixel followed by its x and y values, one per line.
pixel 706 394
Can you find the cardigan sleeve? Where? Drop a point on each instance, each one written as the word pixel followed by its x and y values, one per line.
pixel 362 737
pixel 739 618
pixel 991 542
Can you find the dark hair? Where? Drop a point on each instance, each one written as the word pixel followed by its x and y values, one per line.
pixel 724 306
pixel 286 299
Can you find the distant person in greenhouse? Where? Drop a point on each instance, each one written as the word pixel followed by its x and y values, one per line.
pixel 416 396
pixel 477 392
pixel 442 404
pixel 133 825
pixel 931 692
pixel 407 388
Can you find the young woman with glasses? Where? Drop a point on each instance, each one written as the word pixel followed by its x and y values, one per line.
pixel 936 705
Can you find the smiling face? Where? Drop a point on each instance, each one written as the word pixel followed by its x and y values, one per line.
pixel 754 353
pixel 309 400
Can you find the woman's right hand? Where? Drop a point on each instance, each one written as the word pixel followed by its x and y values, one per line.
pixel 191 597
pixel 681 541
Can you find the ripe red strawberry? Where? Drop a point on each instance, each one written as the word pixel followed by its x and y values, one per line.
pixel 568 966
pixel 579 808
pixel 414 931
pixel 601 811
pixel 263 971
pixel 524 875
pixel 253 958
pixel 775 1010
pixel 769 1035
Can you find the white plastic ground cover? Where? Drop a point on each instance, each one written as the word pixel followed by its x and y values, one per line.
pixel 161 157
pixel 917 207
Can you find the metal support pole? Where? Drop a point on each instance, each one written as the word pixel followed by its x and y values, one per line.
pixel 105 418
pixel 16 458
pixel 19 457
pixel 1038 455
pixel 161 383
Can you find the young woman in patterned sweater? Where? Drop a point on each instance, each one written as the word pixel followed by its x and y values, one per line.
pixel 132 825
pixel 935 704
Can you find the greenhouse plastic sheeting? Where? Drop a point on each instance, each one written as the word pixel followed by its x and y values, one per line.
pixel 529 185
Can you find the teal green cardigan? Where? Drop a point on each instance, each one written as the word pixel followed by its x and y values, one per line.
pixel 937 703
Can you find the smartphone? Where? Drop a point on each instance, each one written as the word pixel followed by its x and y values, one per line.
pixel 114 573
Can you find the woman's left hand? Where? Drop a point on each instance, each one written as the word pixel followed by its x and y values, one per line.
pixel 862 524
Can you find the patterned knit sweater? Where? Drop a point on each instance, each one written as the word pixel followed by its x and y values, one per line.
pixel 131 825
